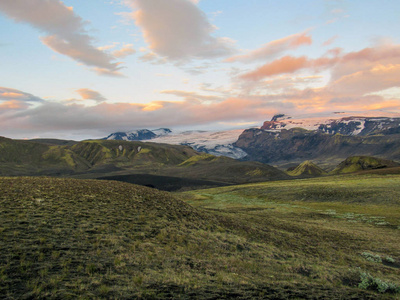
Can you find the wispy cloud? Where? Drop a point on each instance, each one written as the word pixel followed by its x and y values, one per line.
pixel 9 94
pixel 274 48
pixel 88 94
pixel 65 30
pixel 125 51
pixel 192 96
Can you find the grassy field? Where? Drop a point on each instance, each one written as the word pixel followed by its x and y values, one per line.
pixel 334 231
pixel 325 238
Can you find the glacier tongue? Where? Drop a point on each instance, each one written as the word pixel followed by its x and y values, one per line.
pixel 218 143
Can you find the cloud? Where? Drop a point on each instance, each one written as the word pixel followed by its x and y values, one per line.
pixel 107 72
pixel 15 100
pixel 51 118
pixel 330 41
pixel 274 48
pixel 340 64
pixel 153 58
pixel 378 78
pixel 286 64
pixel 64 119
pixel 65 32
pixel 12 105
pixel 191 96
pixel 125 51
pixel 178 30
pixel 9 94
pixel 88 94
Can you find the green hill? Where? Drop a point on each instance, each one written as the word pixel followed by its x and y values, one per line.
pixel 105 158
pixel 362 163
pixel 88 239
pixel 306 168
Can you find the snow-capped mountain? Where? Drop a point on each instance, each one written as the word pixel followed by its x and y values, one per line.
pixel 218 143
pixel 345 125
pixel 285 139
pixel 135 135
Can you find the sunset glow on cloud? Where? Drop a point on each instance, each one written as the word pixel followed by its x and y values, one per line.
pixel 83 69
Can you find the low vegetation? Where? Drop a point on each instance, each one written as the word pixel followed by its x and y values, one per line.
pixel 300 239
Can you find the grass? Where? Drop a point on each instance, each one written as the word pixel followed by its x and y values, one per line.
pixel 80 239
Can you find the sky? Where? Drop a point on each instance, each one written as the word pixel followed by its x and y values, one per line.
pixel 76 69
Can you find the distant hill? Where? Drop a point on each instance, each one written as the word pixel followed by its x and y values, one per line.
pixel 307 168
pixel 100 158
pixel 56 142
pixel 362 163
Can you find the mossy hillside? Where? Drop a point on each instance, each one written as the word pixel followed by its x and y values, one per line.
pixel 69 238
pixel 28 157
pixel 307 168
pixel 63 238
pixel 100 152
pixel 198 159
pixel 99 158
pixel 20 152
pixel 24 156
pixel 361 163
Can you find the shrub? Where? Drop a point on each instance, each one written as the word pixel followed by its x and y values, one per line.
pixel 372 257
pixel 389 259
pixel 368 282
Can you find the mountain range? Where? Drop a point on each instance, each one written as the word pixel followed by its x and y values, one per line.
pixel 284 141
pixel 219 143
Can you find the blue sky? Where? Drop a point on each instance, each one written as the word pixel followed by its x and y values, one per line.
pixel 83 69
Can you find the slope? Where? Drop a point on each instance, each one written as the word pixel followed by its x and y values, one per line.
pixel 108 158
pixel 362 163
pixel 63 238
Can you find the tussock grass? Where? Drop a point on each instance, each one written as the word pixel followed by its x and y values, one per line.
pixel 63 238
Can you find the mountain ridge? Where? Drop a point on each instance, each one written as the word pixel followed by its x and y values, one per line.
pixel 280 141
pixel 219 143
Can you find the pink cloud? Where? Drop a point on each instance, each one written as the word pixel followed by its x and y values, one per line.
pixel 88 94
pixel 330 41
pixel 9 94
pixel 274 48
pixel 286 64
pixel 125 51
pixel 65 30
